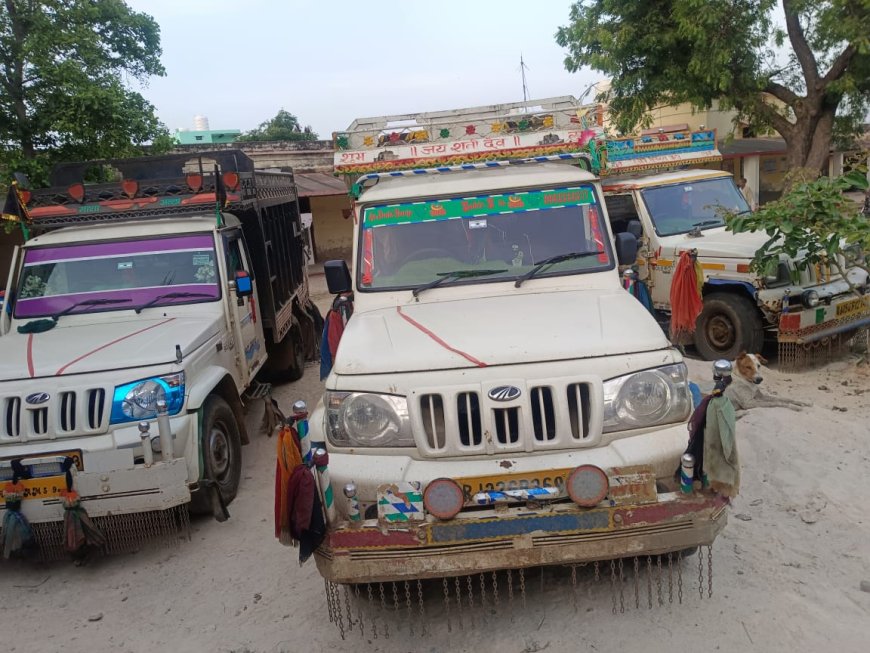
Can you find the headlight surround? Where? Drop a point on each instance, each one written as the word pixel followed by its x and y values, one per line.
pixel 364 419
pixel 648 398
pixel 810 298
pixel 136 401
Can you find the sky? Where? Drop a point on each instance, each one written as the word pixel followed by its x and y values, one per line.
pixel 238 62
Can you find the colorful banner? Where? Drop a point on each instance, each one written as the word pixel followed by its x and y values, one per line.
pixel 472 207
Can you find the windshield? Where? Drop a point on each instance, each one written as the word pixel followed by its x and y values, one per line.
pixel 679 208
pixel 133 272
pixel 503 236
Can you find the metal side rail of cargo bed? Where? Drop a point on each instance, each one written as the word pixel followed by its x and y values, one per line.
pixel 521 537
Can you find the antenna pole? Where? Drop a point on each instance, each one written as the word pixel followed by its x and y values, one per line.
pixel 525 85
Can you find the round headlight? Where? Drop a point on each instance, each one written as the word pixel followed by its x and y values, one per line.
pixel 643 399
pixel 370 417
pixel 141 401
pixel 810 298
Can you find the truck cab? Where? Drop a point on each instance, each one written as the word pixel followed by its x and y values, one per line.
pixel 684 210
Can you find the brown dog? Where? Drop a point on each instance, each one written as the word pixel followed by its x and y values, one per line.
pixel 744 391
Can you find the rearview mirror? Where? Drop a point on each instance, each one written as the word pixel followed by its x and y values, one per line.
pixel 244 285
pixel 626 248
pixel 337 277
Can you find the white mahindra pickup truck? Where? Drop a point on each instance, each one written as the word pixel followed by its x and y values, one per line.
pixel 173 288
pixel 493 357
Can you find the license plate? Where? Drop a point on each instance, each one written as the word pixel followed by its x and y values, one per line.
pixel 75 454
pixel 856 305
pixel 519 481
pixel 49 487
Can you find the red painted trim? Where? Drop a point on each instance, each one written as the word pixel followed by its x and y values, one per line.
pixel 109 344
pixel 30 355
pixel 414 322
pixel 364 538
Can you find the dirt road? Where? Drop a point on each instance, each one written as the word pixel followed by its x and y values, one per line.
pixel 786 570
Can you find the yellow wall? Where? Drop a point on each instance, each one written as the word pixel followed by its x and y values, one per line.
pixel 678 114
pixel 333 233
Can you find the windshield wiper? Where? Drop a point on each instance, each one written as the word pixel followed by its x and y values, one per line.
pixel 455 274
pixel 558 258
pixel 88 302
pixel 707 223
pixel 171 295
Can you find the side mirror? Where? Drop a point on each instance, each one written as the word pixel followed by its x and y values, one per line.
pixel 244 285
pixel 337 277
pixel 626 248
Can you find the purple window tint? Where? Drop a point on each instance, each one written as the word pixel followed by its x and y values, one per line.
pixel 117 248
pixel 43 306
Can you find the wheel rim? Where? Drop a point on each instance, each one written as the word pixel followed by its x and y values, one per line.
pixel 219 452
pixel 720 332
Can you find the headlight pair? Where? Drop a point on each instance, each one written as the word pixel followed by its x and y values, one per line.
pixel 648 398
pixel 362 419
pixel 136 401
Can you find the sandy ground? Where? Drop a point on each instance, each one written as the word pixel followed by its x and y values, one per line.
pixel 787 568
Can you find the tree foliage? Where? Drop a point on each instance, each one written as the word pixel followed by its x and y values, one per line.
pixel 814 224
pixel 807 77
pixel 64 65
pixel 283 127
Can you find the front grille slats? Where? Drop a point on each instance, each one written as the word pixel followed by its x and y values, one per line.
pixel 545 416
pixel 64 413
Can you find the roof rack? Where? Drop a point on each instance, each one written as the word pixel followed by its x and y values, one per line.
pixel 522 131
pixel 173 185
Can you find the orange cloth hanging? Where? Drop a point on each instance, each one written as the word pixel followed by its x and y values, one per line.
pixel 289 457
pixel 686 301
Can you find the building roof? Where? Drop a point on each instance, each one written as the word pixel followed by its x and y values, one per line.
pixel 741 147
pixel 316 184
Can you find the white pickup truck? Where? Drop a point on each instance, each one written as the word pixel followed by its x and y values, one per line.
pixel 497 401
pixel 676 211
pixel 177 285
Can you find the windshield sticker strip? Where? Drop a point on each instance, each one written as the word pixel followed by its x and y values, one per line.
pixel 477 207
pixel 109 344
pixel 119 248
pixel 434 337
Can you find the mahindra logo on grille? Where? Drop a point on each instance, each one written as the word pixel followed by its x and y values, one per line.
pixel 37 398
pixel 504 393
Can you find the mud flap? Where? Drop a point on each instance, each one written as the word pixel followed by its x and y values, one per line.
pixel 213 496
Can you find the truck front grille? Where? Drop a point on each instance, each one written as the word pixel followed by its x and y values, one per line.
pixel 467 421
pixel 65 413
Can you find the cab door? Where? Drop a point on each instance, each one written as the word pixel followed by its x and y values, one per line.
pixel 244 308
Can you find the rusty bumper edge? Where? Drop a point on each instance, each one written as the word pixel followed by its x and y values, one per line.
pixel 459 547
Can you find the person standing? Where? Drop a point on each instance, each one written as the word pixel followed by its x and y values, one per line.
pixel 747 193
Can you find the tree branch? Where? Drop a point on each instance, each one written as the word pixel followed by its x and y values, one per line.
pixel 801 47
pixel 780 92
pixel 840 64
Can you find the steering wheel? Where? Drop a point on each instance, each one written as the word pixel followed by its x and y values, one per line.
pixel 427 252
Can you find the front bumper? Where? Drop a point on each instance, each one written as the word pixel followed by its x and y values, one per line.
pixel 138 489
pixel 659 448
pixel 846 313
pixel 562 534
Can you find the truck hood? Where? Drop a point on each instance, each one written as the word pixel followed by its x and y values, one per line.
pixel 718 243
pixel 96 346
pixel 502 330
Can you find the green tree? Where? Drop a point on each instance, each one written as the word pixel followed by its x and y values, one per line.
pixel 816 69
pixel 63 96
pixel 814 223
pixel 283 127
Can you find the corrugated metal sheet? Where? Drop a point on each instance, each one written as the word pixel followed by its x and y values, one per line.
pixel 315 184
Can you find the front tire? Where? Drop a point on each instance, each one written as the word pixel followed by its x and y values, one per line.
pixel 221 447
pixel 728 324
